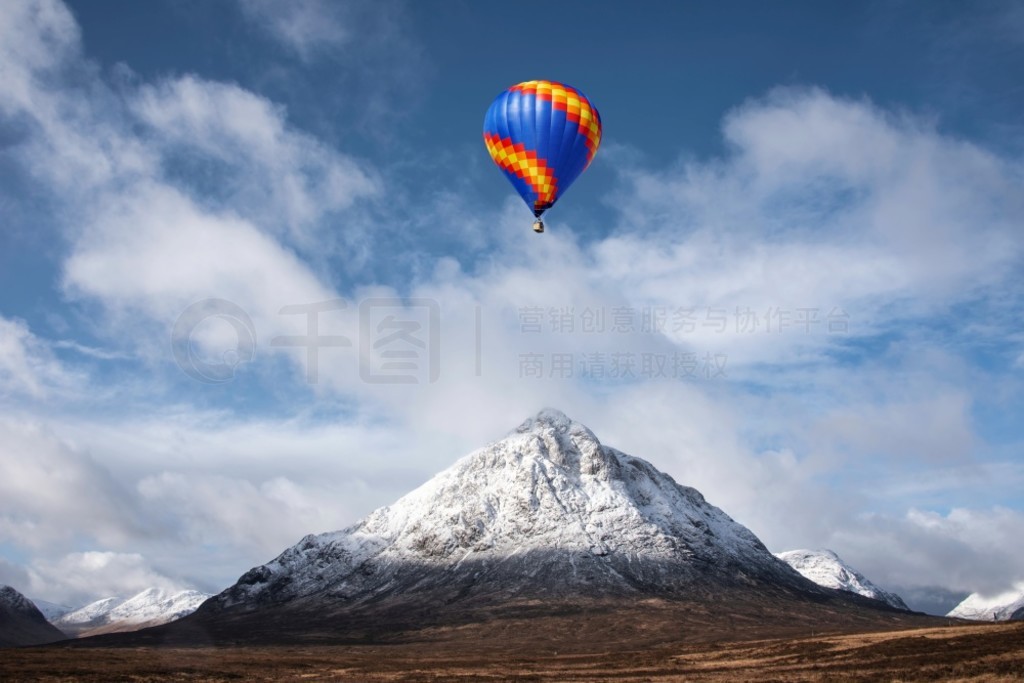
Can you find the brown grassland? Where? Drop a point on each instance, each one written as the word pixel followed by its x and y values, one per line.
pixel 977 653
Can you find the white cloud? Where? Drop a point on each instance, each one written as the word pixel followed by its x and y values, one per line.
pixel 35 36
pixel 964 549
pixel 13 575
pixel 81 577
pixel 90 351
pixel 146 242
pixel 28 366
pixel 282 179
pixel 822 202
pixel 376 57
pixel 935 427
pixel 202 498
pixel 373 33
pixel 310 28
pixel 153 251
pixel 73 138
pixel 52 492
pixel 260 519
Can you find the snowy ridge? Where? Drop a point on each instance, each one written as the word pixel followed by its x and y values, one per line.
pixel 549 488
pixel 1002 607
pixel 150 607
pixel 51 610
pixel 825 568
pixel 156 606
pixel 91 612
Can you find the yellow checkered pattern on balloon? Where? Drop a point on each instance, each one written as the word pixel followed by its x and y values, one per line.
pixel 525 164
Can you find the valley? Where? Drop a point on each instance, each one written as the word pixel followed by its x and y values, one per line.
pixel 977 652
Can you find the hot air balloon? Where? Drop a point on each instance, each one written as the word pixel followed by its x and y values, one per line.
pixel 542 135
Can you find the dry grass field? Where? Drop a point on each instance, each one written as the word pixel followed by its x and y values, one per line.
pixel 976 653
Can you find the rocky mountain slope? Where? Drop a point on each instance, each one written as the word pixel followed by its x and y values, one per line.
pixel 21 622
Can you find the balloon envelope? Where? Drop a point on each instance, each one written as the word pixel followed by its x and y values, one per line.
pixel 542 135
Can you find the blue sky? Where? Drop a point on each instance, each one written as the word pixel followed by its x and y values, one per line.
pixel 790 278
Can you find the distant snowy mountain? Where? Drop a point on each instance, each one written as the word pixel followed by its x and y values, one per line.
pixel 825 568
pixel 91 612
pixel 1002 607
pixel 148 608
pixel 51 610
pixel 21 622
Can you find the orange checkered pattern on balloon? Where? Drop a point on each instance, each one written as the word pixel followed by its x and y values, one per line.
pixel 525 164
pixel 576 106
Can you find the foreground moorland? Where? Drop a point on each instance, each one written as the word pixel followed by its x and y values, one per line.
pixel 977 653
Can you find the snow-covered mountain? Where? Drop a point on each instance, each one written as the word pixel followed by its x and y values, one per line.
pixel 825 568
pixel 51 610
pixel 545 534
pixel 21 622
pixel 546 511
pixel 88 613
pixel 1002 607
pixel 151 607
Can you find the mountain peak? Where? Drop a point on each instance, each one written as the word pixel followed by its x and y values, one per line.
pixel 21 622
pixel 547 499
pixel 555 437
pixel 552 418
pixel 1000 607
pixel 13 599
